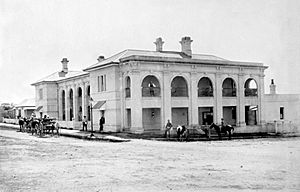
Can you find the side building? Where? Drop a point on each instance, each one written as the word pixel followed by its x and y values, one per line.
pixel 139 90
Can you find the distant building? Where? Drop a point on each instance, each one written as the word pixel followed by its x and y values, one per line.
pixel 25 108
pixel 138 90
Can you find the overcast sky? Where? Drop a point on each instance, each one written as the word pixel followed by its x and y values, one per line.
pixel 37 34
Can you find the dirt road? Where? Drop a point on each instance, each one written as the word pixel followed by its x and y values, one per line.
pixel 29 163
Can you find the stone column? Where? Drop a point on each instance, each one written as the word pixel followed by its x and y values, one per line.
pixel 59 104
pixel 218 107
pixel 193 98
pixel 136 107
pixel 123 120
pixel 83 101
pixel 67 103
pixel 166 98
pixel 241 101
pixel 75 99
pixel 260 108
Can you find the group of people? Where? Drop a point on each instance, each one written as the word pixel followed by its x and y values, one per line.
pixel 85 123
pixel 29 124
pixel 181 130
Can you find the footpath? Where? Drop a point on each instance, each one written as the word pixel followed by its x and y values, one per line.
pixel 158 136
pixel 77 134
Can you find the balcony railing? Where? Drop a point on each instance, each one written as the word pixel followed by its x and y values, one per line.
pixel 179 92
pixel 229 92
pixel 151 91
pixel 127 92
pixel 250 92
pixel 205 92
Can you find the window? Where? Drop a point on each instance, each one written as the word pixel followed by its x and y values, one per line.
pixel 98 83
pixel 281 112
pixel 101 82
pixel 40 94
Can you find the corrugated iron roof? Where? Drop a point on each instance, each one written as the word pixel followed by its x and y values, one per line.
pixel 26 103
pixel 163 54
pixel 55 76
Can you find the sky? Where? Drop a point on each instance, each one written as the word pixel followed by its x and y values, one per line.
pixel 36 35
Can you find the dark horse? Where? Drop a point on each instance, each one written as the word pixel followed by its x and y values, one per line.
pixel 225 129
pixel 182 133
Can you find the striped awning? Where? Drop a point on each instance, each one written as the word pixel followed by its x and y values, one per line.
pixel 39 108
pixel 99 104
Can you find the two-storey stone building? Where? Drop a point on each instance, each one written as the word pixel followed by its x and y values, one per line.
pixel 138 90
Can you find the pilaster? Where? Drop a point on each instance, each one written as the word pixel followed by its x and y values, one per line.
pixel 261 90
pixel 241 101
pixel 136 108
pixel 218 107
pixel 75 101
pixel 193 97
pixel 166 94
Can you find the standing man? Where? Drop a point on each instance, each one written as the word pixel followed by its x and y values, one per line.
pixel 21 123
pixel 84 123
pixel 168 129
pixel 101 122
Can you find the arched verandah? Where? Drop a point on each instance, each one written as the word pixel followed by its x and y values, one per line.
pixel 179 87
pixel 150 87
pixel 229 88
pixel 205 88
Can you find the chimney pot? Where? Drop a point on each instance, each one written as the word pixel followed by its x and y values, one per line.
pixel 272 87
pixel 65 65
pixel 159 43
pixel 186 45
pixel 101 58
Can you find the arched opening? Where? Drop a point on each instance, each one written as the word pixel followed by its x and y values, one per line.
pixel 150 87
pixel 205 88
pixel 71 104
pixel 229 88
pixel 79 103
pixel 127 87
pixel 63 102
pixel 250 88
pixel 88 98
pixel 179 87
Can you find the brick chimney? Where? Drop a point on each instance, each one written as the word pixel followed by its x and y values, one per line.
pixel 64 70
pixel 159 43
pixel 272 87
pixel 101 58
pixel 186 45
pixel 65 65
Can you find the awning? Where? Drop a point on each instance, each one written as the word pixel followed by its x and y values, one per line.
pixel 29 108
pixel 99 104
pixel 39 108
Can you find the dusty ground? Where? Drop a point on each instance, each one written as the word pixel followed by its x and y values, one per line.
pixel 29 163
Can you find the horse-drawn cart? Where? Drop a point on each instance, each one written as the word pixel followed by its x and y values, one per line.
pixel 49 125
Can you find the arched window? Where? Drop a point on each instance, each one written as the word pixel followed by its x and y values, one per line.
pixel 63 98
pixel 127 87
pixel 205 88
pixel 250 88
pixel 150 87
pixel 179 87
pixel 71 104
pixel 229 88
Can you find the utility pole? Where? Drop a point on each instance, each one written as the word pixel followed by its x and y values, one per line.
pixel 91 103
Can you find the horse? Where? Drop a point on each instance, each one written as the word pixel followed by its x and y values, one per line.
pixel 55 126
pixel 225 129
pixel 182 133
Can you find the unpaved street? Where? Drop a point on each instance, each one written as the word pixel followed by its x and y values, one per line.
pixel 29 163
